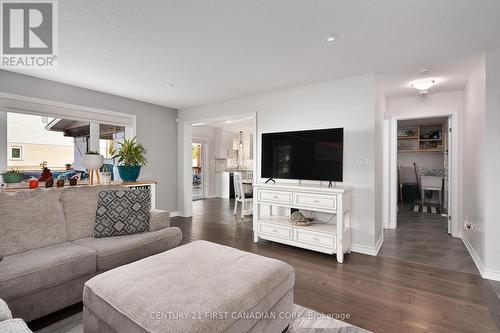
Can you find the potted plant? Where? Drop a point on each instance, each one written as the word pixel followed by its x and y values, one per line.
pixel 49 182
pixel 12 176
pixel 73 180
pixel 61 180
pixel 131 156
pixel 92 160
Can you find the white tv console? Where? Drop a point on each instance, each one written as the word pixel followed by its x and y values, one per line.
pixel 332 237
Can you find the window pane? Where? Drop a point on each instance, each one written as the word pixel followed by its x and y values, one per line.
pixel 16 153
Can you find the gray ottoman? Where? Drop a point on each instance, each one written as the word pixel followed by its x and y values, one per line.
pixel 198 287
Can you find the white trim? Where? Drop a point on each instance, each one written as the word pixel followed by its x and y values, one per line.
pixel 379 244
pixel 369 250
pixel 185 137
pixel 205 164
pixel 453 172
pixel 48 108
pixel 491 274
pixel 21 152
pixel 475 257
pixel 486 273
pixel 174 214
pixel 363 249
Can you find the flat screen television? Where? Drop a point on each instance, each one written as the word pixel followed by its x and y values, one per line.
pixel 304 155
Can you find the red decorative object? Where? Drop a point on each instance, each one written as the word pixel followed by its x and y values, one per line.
pixel 46 174
pixel 33 182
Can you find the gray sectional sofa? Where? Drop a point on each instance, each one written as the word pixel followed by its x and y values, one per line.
pixel 46 239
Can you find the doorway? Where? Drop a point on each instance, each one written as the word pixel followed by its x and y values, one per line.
pixel 199 158
pixel 423 227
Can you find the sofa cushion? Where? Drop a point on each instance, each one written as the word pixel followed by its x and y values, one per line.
pixel 199 277
pixel 122 212
pixel 79 205
pixel 116 251
pixel 34 270
pixel 14 326
pixel 30 220
pixel 4 311
pixel 158 219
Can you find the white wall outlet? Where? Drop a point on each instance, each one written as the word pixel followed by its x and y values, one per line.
pixel 361 162
pixel 468 225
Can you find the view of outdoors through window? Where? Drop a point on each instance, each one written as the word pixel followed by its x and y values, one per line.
pixel 34 142
pixel 30 144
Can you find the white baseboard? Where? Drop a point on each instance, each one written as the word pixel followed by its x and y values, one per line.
pixel 475 257
pixel 363 249
pixel 379 243
pixel 491 274
pixel 174 214
pixel 369 250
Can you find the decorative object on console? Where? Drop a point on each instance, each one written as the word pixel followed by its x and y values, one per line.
pixel 93 161
pixel 122 212
pixel 105 175
pixel 49 182
pixel 73 180
pixel 33 183
pixel 61 180
pixel 297 218
pixel 131 156
pixel 12 176
pixel 46 174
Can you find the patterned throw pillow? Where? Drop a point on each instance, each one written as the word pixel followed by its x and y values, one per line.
pixel 122 212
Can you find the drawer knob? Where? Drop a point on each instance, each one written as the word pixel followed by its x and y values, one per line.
pixel 316 201
pixel 276 197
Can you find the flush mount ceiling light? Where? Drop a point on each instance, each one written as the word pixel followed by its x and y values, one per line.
pixel 331 38
pixel 423 86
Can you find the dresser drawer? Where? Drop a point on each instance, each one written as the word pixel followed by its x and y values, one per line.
pixel 314 238
pixel 276 230
pixel 282 197
pixel 316 200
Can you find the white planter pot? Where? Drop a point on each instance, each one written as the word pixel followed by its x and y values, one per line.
pixel 92 162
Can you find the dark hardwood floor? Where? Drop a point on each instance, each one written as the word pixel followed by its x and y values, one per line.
pixel 423 238
pixel 380 294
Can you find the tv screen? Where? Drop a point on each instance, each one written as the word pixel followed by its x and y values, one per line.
pixel 307 155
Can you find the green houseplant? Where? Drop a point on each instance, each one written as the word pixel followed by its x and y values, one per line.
pixel 131 156
pixel 12 176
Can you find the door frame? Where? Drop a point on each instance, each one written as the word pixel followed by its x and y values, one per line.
pixel 454 170
pixel 204 165
pixel 185 138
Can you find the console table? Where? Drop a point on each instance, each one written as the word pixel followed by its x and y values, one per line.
pixel 327 237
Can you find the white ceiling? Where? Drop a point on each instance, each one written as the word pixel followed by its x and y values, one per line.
pixel 217 50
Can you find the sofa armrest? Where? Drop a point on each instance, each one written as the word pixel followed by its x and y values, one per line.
pixel 4 311
pixel 158 219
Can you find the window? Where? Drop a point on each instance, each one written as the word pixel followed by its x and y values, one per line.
pixel 16 153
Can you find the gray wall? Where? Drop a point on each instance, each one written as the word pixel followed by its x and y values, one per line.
pixel 156 125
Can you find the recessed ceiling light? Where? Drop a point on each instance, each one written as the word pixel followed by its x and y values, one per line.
pixel 228 121
pixel 198 124
pixel 331 38
pixel 423 84
pixel 169 85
